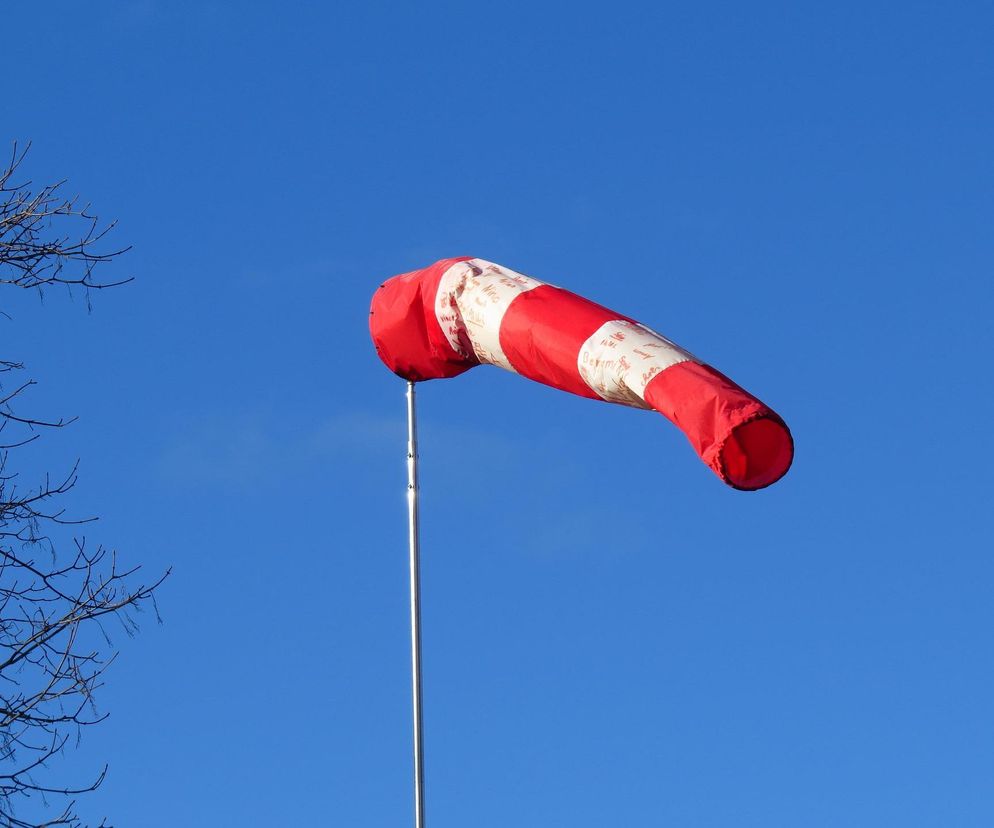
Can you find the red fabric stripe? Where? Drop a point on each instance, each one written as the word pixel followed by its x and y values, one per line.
pixel 746 443
pixel 542 332
pixel 405 329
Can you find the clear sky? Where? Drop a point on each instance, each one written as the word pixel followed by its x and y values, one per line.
pixel 801 194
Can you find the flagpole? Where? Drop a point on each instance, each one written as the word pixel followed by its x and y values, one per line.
pixel 415 565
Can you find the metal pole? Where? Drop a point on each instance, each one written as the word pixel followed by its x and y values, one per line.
pixel 415 562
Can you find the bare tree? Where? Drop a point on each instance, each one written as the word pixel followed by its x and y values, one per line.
pixel 57 592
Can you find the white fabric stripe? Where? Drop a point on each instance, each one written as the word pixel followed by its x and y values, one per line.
pixel 620 359
pixel 473 297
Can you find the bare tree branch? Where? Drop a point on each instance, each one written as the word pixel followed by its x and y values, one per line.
pixel 54 647
pixel 33 253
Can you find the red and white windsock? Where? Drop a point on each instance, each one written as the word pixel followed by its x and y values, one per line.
pixel 444 319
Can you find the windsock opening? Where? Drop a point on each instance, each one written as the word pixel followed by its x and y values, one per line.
pixel 757 453
pixel 405 327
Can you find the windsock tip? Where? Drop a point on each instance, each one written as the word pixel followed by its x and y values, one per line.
pixel 757 453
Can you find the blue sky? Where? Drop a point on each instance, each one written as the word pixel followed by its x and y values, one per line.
pixel 801 194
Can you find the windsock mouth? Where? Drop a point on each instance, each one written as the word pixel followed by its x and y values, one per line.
pixel 757 453
pixel 405 328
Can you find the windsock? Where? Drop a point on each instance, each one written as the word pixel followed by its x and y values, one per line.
pixel 457 313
